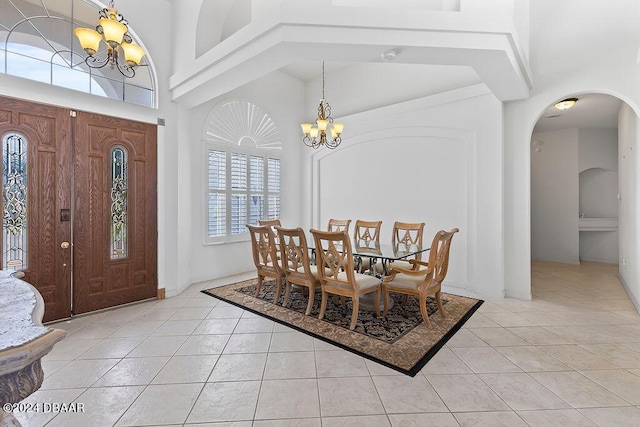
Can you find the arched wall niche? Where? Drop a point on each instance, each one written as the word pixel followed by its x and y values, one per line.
pixel 598 193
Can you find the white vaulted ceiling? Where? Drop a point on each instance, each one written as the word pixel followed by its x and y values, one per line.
pixel 295 36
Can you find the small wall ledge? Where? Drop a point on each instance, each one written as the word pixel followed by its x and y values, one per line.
pixel 598 224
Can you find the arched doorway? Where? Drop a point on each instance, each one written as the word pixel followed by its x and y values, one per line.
pixel 580 167
pixel 574 184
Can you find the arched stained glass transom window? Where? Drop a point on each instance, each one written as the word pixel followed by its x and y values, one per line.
pixel 14 201
pixel 37 43
pixel 243 169
pixel 119 184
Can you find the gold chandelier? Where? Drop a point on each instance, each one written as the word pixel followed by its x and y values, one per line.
pixel 113 29
pixel 317 136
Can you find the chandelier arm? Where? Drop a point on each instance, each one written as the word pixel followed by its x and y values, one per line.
pixel 126 70
pixel 97 62
pixel 327 112
pixel 333 143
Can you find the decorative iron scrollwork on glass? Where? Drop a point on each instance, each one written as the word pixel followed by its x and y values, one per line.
pixel 14 201
pixel 118 202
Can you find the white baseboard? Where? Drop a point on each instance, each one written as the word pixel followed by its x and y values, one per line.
pixel 629 293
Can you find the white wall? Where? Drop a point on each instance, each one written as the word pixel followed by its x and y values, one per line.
pixel 629 135
pixel 280 96
pixel 435 159
pixel 568 58
pixel 598 149
pixel 554 196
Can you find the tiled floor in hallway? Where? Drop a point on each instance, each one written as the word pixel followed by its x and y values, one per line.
pixel 569 357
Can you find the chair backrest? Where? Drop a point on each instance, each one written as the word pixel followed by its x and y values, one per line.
pixel 263 246
pixel 367 230
pixel 270 223
pixel 439 254
pixel 408 234
pixel 339 225
pixel 334 258
pixel 294 251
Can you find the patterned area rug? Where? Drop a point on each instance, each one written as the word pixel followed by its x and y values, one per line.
pixel 400 341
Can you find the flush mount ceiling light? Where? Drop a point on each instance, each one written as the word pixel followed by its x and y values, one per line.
pixel 565 104
pixel 112 28
pixel 316 137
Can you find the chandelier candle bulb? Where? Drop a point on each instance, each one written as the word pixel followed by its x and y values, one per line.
pixel 89 39
pixel 306 128
pixel 132 53
pixel 113 31
pixel 322 124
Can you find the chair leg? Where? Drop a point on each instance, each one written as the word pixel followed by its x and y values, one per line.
pixel 385 296
pixel 258 286
pixel 423 309
pixel 287 293
pixel 311 291
pixel 354 314
pixel 376 301
pixel 278 290
pixel 323 305
pixel 406 299
pixel 440 307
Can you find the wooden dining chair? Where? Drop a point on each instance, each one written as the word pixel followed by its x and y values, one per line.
pixel 366 233
pixel 423 282
pixel 407 235
pixel 265 257
pixel 272 223
pixel 339 225
pixel 297 264
pixel 333 254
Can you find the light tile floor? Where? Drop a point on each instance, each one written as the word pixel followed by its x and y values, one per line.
pixel 569 357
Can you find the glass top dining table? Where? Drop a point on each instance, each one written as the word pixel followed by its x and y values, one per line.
pixel 372 249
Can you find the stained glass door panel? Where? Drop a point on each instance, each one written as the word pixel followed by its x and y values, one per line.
pixel 115 222
pixel 36 187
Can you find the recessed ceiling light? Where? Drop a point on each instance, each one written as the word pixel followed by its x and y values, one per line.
pixel 565 104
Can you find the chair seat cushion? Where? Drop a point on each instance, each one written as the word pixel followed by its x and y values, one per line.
pixel 364 281
pixel 314 270
pixel 402 264
pixel 403 281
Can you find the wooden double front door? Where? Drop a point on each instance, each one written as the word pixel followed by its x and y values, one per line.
pixel 79 206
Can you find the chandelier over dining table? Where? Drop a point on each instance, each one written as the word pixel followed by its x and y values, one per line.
pixel 317 136
pixel 114 31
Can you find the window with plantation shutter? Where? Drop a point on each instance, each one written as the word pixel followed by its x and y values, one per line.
pixel 273 177
pixel 217 205
pixel 243 188
pixel 243 170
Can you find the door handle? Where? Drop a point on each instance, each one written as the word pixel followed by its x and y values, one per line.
pixel 65 245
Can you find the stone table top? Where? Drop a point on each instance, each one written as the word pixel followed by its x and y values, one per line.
pixel 18 302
